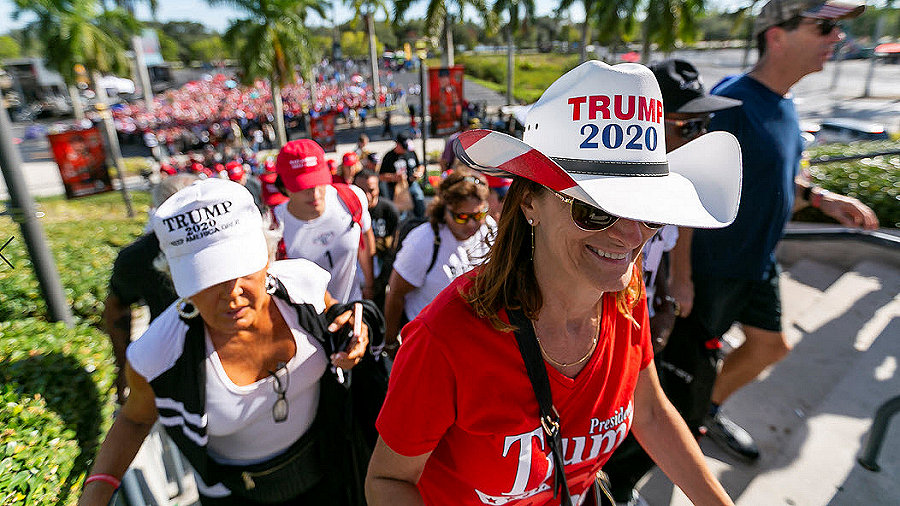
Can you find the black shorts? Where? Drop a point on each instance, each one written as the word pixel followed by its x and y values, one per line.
pixel 719 302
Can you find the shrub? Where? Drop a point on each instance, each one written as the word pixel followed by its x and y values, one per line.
pixel 85 237
pixel 534 73
pixel 873 180
pixel 55 404
pixel 56 383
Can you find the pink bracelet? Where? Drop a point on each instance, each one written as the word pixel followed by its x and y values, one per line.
pixel 107 478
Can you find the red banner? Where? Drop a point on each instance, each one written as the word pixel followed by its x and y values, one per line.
pixel 322 127
pixel 82 162
pixel 445 91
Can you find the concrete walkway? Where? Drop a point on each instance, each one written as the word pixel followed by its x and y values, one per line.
pixel 810 414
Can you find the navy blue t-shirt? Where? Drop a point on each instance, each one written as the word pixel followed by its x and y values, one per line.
pixel 768 129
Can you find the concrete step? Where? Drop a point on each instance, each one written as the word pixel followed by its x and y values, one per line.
pixel 817 466
pixel 802 284
pixel 832 335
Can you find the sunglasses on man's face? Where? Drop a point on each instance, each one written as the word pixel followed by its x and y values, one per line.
pixel 463 218
pixel 593 219
pixel 690 128
pixel 825 26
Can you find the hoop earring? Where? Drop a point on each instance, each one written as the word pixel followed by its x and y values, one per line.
pixel 186 309
pixel 271 284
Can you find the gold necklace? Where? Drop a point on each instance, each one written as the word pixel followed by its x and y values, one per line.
pixel 563 364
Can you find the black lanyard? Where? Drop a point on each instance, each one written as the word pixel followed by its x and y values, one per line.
pixel 537 373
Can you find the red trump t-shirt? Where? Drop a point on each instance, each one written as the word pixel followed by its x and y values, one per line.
pixel 459 389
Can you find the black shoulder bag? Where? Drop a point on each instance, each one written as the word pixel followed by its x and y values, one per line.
pixel 537 373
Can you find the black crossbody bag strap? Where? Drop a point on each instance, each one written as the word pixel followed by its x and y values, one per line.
pixel 537 373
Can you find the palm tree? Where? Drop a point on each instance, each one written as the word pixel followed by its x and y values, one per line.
pixel 589 7
pixel 743 23
pixel 514 9
pixel 614 20
pixel 441 13
pixel 77 32
pixel 668 20
pixel 366 9
pixel 140 66
pixel 271 42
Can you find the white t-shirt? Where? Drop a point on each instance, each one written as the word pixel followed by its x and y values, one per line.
pixel 664 240
pixel 331 241
pixel 240 426
pixel 454 257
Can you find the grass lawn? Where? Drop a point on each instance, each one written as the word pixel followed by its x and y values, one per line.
pixel 533 72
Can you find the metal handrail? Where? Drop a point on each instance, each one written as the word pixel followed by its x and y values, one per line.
pixel 834 159
pixel 869 457
pixel 845 234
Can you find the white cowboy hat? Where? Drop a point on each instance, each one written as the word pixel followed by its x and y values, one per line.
pixel 597 134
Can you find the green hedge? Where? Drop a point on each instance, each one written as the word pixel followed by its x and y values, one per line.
pixel 56 402
pixel 85 236
pixel 56 383
pixel 875 181
pixel 533 72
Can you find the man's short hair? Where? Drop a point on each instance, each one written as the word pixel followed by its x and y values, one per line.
pixel 364 174
pixel 789 25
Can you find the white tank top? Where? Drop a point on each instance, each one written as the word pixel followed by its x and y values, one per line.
pixel 241 427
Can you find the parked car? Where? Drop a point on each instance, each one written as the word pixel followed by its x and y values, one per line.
pixel 849 130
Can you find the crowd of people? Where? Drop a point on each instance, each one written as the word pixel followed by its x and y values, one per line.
pixel 555 311
pixel 215 120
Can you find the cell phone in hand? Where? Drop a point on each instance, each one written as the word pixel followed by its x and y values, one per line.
pixel 350 329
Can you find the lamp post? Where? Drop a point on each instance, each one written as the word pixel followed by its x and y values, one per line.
pixel 423 85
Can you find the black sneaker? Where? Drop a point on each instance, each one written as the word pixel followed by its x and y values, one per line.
pixel 730 436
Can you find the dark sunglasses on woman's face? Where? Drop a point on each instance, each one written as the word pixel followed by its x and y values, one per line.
pixel 690 128
pixel 592 219
pixel 463 218
pixel 280 381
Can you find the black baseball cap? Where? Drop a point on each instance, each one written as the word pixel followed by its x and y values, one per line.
pixel 403 140
pixel 683 91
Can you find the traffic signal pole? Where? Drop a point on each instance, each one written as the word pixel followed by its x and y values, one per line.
pixel 23 212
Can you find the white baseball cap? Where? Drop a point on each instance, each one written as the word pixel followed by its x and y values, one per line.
pixel 598 134
pixel 210 232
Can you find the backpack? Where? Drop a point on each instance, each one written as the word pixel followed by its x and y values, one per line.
pixel 351 202
pixel 406 227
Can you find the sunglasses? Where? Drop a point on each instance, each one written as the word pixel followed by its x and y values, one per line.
pixel 825 26
pixel 592 219
pixel 690 128
pixel 280 382
pixel 463 218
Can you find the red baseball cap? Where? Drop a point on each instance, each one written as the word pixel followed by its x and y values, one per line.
pixel 270 194
pixel 497 182
pixel 350 159
pixel 301 165
pixel 235 170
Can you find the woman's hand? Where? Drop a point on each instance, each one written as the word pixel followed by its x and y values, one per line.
pixel 355 350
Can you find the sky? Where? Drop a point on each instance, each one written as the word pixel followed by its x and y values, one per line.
pixel 217 18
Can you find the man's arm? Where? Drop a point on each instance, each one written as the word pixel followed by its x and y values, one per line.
pixel 366 252
pixel 681 284
pixel 848 211
pixel 117 324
